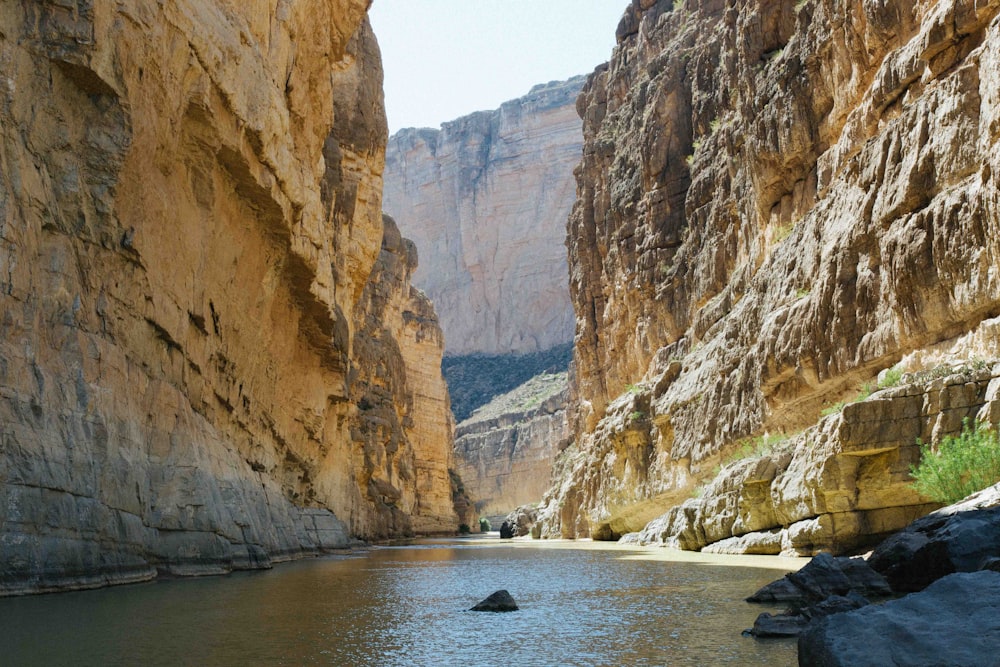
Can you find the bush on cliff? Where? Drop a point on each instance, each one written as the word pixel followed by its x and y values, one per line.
pixel 960 465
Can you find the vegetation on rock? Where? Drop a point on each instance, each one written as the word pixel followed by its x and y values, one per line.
pixel 474 380
pixel 960 465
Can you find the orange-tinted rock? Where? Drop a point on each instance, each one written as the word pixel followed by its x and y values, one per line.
pixel 777 200
pixel 190 210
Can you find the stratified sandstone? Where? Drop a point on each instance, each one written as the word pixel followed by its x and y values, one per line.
pixel 505 451
pixel 190 212
pixel 486 198
pixel 777 200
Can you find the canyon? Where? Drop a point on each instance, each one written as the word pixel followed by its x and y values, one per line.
pixel 779 202
pixel 211 356
pixel 505 451
pixel 486 198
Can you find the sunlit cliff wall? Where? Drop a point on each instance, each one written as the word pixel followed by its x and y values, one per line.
pixel 778 199
pixel 486 198
pixel 190 212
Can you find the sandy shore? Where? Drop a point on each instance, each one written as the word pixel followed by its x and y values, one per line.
pixel 633 552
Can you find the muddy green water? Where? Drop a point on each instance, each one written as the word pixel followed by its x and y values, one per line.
pixel 405 605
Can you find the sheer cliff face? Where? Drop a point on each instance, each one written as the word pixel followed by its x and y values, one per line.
pixel 486 200
pixel 189 214
pixel 777 200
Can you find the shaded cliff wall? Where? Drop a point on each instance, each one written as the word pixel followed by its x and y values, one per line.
pixel 486 199
pixel 777 200
pixel 505 451
pixel 190 211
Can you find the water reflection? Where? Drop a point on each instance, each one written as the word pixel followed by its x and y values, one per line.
pixel 406 605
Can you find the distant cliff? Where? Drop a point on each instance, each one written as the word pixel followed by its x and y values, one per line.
pixel 505 451
pixel 210 354
pixel 778 200
pixel 486 199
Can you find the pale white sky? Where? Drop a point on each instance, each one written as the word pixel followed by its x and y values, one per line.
pixel 444 59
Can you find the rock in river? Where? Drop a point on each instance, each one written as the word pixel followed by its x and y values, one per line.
pixel 499 601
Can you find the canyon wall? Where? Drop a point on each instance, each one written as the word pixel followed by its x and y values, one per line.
pixel 505 451
pixel 199 368
pixel 778 200
pixel 486 198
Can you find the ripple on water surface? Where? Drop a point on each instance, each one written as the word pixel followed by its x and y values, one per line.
pixel 407 605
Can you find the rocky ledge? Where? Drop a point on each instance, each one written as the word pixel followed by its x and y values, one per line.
pixel 841 485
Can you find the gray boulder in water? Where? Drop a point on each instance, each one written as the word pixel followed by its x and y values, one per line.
pixel 499 601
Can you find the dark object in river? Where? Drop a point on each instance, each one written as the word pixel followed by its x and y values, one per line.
pixel 506 531
pixel 499 601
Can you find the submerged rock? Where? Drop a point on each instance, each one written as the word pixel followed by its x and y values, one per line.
pixel 954 622
pixel 499 601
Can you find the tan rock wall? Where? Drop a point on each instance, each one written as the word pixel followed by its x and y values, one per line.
pixel 486 199
pixel 839 486
pixel 190 210
pixel 505 460
pixel 777 200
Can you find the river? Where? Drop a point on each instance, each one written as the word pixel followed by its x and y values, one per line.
pixel 581 604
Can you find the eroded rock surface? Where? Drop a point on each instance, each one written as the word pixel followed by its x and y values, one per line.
pixel 486 199
pixel 778 199
pixel 839 486
pixel 505 451
pixel 190 211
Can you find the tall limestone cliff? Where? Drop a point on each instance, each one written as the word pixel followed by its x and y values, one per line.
pixel 778 200
pixel 199 368
pixel 486 199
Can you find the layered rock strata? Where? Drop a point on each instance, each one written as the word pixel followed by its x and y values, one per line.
pixel 486 199
pixel 190 212
pixel 777 200
pixel 839 486
pixel 505 451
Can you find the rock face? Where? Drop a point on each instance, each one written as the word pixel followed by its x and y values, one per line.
pixel 777 200
pixel 486 199
pixel 841 485
pixel 953 622
pixel 199 368
pixel 505 452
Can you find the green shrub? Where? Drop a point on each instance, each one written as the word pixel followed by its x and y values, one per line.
pixel 484 525
pixel 637 415
pixel 463 528
pixel 833 409
pixel 891 378
pixel 960 464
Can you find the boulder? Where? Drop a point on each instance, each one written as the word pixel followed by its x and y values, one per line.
pixel 937 545
pixel 955 621
pixel 506 531
pixel 499 601
pixel 823 577
pixel 522 519
pixel 793 622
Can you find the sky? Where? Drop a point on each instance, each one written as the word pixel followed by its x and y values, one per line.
pixel 444 59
